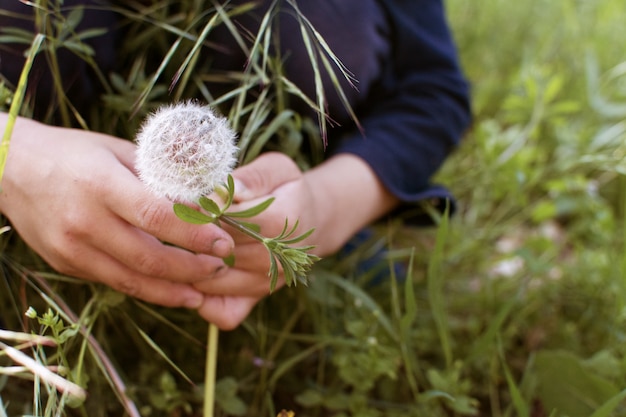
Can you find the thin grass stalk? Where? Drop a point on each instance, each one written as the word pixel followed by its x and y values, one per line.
pixel 210 371
pixel 435 283
pixel 192 56
pixel 623 254
pixel 406 321
pixel 517 399
pixel 319 86
pixel 252 61
pixel 264 33
pixel 606 409
pixel 168 323
pixel 18 99
pixel 141 100
pixel 159 351
pixel 44 23
pixel 275 349
pixel 102 360
pixel 60 383
pixel 289 363
pixel 3 412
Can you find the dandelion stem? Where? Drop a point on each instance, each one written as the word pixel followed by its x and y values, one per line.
pixel 210 371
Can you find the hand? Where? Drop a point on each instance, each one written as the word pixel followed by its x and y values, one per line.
pixel 233 292
pixel 73 197
pixel 336 198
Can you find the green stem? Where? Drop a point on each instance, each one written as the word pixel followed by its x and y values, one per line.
pixel 16 104
pixel 242 228
pixel 210 371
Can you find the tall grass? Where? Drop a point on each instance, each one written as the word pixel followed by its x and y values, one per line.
pixel 515 306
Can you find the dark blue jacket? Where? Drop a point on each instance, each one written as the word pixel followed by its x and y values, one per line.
pixel 421 109
pixel 413 115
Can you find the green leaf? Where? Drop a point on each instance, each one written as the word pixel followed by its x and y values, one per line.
pixel 521 406
pixel 79 48
pixel 230 186
pixel 273 273
pixel 564 384
pixel 299 238
pixel 288 273
pixel 230 260
pixel 435 285
pixel 279 121
pixel 210 205
pixel 283 233
pixel 227 398
pixel 410 302
pixel 252 211
pixel 309 398
pixel 74 17
pixel 607 408
pixel 190 215
pixel 92 33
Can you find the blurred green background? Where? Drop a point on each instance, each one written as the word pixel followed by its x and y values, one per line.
pixel 513 307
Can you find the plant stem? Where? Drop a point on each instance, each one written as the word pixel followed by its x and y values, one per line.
pixel 16 104
pixel 210 371
pixel 242 228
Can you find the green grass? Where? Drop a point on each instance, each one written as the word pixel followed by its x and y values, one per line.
pixel 516 306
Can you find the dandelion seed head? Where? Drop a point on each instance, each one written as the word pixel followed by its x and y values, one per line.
pixel 184 151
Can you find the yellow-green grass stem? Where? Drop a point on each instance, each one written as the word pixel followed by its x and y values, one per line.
pixel 16 103
pixel 210 371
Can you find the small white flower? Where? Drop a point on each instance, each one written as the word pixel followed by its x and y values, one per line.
pixel 184 151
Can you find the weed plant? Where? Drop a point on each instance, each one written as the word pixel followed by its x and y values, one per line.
pixel 514 306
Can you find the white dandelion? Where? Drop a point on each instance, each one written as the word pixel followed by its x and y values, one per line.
pixel 184 151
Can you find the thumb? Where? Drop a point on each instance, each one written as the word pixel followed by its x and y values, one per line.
pixel 263 175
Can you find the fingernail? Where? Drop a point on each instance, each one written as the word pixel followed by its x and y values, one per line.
pixel 241 191
pixel 194 300
pixel 239 186
pixel 221 247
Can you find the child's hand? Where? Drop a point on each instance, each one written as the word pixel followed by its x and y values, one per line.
pixel 73 197
pixel 233 291
pixel 337 198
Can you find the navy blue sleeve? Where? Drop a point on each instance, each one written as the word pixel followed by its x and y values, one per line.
pixel 420 109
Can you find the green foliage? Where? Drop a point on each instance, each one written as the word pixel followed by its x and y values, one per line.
pixel 514 306
pixel 295 262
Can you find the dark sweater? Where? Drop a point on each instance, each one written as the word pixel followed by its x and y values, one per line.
pixel 421 107
pixel 413 106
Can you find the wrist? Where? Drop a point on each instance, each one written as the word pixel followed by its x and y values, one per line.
pixel 348 196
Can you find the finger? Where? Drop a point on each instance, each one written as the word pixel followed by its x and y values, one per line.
pixel 124 150
pixel 156 216
pixel 263 175
pixel 236 282
pixel 148 256
pixel 104 269
pixel 249 279
pixel 226 312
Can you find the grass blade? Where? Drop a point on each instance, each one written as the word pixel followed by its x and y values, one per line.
pixel 520 405
pixel 607 408
pixel 18 99
pixel 366 299
pixel 160 352
pixel 435 280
